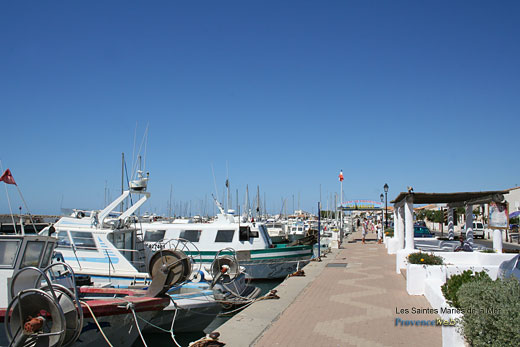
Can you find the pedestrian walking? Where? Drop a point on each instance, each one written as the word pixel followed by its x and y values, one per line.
pixel 379 233
pixel 364 231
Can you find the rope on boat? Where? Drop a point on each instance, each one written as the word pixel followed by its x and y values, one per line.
pixel 173 321
pixel 97 323
pixel 130 306
pixel 270 295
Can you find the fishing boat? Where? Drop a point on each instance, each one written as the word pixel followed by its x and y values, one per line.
pixel 248 239
pixel 42 306
pixel 107 249
pixel 276 231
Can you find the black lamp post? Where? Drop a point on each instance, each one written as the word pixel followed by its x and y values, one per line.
pixel 382 213
pixel 386 205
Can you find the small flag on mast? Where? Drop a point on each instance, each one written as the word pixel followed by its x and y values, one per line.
pixel 341 176
pixel 7 177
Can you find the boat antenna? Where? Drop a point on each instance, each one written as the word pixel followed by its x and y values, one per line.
pixel 214 180
pixel 219 205
pixel 138 162
pixel 133 151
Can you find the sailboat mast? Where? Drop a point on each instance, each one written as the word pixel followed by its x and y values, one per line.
pixel 170 206
pixel 257 202
pixel 228 202
pixel 246 202
pixel 122 177
pixel 265 208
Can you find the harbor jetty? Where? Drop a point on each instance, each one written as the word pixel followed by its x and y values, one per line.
pixel 353 297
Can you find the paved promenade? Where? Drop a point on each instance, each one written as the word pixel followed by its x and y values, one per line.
pixel 353 306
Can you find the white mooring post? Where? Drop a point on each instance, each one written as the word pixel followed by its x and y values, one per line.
pixel 451 224
pixel 497 240
pixel 469 225
pixel 408 220
pixel 400 227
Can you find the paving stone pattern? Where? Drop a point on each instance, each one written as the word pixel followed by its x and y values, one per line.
pixel 354 306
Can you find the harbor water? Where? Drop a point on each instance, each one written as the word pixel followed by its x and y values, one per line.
pixel 183 339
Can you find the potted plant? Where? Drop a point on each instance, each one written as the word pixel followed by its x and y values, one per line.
pixel 422 266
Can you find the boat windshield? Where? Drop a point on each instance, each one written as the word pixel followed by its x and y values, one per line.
pixel 8 251
pixel 33 253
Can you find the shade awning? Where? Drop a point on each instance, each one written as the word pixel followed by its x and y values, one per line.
pixel 447 198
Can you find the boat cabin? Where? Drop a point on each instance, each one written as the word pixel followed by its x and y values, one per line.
pixel 20 251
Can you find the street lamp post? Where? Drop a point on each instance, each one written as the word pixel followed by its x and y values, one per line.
pixel 382 197
pixel 386 205
pixel 382 216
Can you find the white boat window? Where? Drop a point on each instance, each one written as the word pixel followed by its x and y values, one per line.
pixel 300 229
pixel 83 240
pixel 190 235
pixel 63 239
pixel 48 254
pixel 8 251
pixel 154 235
pixel 224 236
pixel 33 253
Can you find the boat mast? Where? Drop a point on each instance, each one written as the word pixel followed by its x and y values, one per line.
pixel 246 202
pixel 170 205
pixel 122 177
pixel 238 207
pixel 257 202
pixel 228 201
pixel 265 208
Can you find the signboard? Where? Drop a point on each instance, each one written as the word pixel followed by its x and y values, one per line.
pixel 498 215
pixel 361 205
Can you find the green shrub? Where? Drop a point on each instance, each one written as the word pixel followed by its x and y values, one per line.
pixel 491 312
pixel 451 287
pixel 425 259
pixel 389 232
pixel 488 250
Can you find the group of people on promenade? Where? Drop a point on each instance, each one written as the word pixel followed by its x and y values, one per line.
pixel 369 226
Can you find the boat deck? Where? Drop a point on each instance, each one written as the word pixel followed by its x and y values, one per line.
pixel 338 305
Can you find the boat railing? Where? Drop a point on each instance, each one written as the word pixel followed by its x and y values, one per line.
pixel 106 251
pixel 179 244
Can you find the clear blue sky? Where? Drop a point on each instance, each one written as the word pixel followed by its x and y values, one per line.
pixel 409 93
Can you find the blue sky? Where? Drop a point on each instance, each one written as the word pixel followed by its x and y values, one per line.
pixel 409 93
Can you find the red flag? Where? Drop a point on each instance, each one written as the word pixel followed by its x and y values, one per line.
pixel 7 177
pixel 341 176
